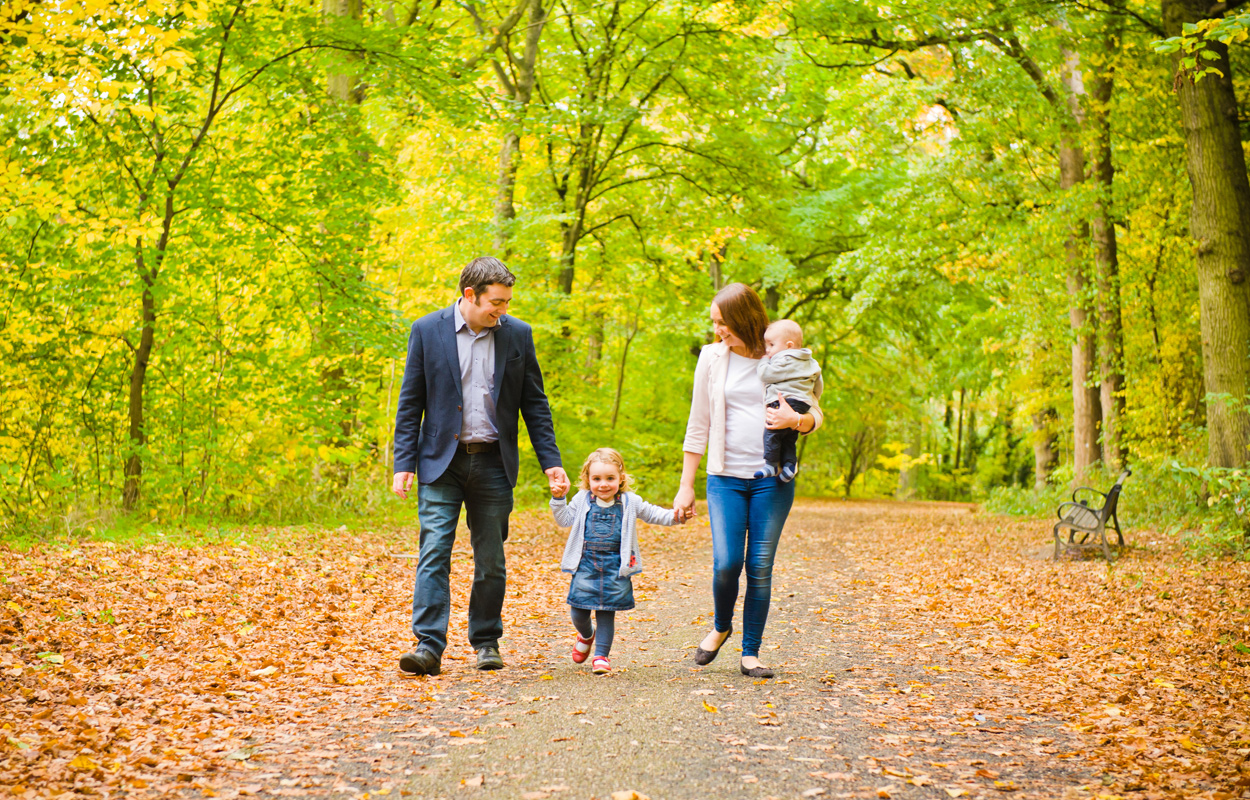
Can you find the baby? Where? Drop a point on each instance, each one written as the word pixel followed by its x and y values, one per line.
pixel 787 370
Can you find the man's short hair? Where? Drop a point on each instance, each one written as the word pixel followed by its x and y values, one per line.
pixel 789 330
pixel 482 272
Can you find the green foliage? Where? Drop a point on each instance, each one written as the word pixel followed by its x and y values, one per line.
pixel 886 176
pixel 1195 55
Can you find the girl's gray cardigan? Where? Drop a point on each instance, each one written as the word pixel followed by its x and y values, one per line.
pixel 574 514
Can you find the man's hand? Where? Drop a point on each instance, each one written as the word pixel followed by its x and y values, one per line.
pixel 557 481
pixel 402 483
pixel 781 417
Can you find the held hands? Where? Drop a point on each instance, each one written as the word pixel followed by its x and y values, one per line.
pixel 783 416
pixel 681 515
pixel 557 481
pixel 402 483
pixel 683 504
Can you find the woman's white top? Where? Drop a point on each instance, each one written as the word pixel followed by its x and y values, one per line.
pixel 709 429
pixel 744 419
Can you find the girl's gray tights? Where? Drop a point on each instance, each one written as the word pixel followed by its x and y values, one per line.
pixel 604 630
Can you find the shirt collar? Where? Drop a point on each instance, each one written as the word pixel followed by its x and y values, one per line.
pixel 462 324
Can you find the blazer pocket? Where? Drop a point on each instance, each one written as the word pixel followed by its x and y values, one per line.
pixel 514 369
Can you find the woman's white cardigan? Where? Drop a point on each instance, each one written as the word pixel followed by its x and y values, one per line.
pixel 705 432
pixel 574 514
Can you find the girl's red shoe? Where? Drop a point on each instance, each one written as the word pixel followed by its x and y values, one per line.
pixel 581 648
pixel 600 665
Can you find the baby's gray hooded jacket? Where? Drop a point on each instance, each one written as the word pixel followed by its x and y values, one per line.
pixel 793 373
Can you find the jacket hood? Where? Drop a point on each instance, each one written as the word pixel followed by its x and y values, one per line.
pixel 803 353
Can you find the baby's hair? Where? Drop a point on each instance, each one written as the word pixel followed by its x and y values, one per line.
pixel 604 455
pixel 789 330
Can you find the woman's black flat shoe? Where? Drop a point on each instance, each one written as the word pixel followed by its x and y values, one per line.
pixel 756 672
pixel 704 657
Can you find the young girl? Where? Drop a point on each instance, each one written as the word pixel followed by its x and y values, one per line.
pixel 602 551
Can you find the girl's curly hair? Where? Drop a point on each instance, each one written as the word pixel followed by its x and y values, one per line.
pixel 604 455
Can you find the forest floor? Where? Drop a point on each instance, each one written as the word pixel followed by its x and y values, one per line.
pixel 922 650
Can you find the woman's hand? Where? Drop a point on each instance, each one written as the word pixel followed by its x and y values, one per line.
pixel 782 417
pixel 683 503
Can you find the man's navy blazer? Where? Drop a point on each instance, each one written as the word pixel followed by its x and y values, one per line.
pixel 429 415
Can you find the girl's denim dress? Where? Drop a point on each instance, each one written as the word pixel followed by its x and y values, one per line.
pixel 596 585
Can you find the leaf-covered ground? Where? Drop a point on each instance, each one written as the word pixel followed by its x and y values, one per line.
pixel 923 651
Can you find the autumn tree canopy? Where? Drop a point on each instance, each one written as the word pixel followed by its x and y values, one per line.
pixel 1017 236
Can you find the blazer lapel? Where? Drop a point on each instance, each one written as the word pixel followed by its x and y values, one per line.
pixel 502 339
pixel 447 338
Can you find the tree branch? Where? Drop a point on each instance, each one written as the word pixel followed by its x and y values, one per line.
pixel 500 31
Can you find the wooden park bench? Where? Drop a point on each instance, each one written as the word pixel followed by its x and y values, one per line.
pixel 1079 517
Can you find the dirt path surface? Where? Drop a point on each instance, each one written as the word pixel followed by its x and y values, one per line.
pixel 921 650
pixel 847 716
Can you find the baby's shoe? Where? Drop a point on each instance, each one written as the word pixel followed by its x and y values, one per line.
pixel 788 471
pixel 600 665
pixel 581 648
pixel 768 471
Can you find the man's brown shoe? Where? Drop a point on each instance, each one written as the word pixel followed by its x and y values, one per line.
pixel 488 658
pixel 420 662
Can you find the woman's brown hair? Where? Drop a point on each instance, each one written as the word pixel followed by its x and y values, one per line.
pixel 744 314
pixel 605 455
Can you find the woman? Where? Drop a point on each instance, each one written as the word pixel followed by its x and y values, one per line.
pixel 727 419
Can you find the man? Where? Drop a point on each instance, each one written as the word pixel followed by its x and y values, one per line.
pixel 470 370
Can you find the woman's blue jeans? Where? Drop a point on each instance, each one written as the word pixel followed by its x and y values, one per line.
pixel 747 515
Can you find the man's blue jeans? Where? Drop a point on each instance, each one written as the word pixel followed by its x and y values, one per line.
pixel 479 483
pixel 747 515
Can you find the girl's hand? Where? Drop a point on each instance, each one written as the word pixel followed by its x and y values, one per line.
pixel 557 481
pixel 781 417
pixel 684 502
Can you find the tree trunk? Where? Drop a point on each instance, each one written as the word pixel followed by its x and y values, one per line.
pixel 572 231
pixel 948 421
pixel 860 453
pixel 1085 399
pixel 344 86
pixel 519 91
pixel 959 429
pixel 1106 262
pixel 620 373
pixel 1006 416
pixel 505 209
pixel 971 444
pixel 1045 447
pixel 138 376
pixel 716 267
pixel 1220 226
